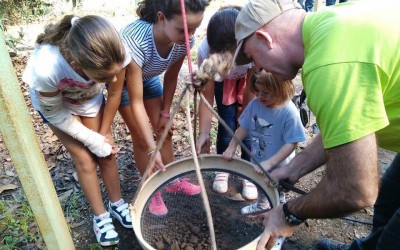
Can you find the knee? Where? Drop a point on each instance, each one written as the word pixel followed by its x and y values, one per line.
pixel 168 138
pixel 85 165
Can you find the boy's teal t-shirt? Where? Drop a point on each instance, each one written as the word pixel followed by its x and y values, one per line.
pixel 351 72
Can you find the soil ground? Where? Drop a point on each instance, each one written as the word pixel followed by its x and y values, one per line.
pixel 76 209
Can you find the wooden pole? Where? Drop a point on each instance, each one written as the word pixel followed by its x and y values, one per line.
pixel 22 144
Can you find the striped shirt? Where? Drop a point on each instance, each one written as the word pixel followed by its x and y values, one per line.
pixel 138 37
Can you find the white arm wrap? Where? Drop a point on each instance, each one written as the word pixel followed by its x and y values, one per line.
pixel 55 112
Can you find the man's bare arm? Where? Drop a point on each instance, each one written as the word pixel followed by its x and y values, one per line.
pixel 311 158
pixel 350 183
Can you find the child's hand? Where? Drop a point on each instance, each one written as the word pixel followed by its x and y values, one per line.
pixel 203 143
pixel 110 140
pixel 267 165
pixel 158 164
pixel 162 123
pixel 229 153
pixel 258 170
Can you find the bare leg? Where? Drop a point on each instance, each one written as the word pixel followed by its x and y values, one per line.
pixel 140 149
pixel 85 165
pixel 153 109
pixel 107 165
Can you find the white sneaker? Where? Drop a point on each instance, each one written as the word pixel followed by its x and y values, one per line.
pixel 255 207
pixel 250 209
pixel 282 197
pixel 220 184
pixel 249 191
pixel 104 230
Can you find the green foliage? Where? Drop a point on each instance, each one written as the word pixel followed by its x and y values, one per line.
pixel 16 11
pixel 11 41
pixel 73 206
pixel 95 246
pixel 18 227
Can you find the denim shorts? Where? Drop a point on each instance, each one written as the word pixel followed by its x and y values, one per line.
pixel 152 88
pixel 45 121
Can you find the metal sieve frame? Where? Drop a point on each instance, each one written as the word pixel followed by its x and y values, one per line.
pixel 212 162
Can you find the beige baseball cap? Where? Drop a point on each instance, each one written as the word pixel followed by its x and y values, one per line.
pixel 254 15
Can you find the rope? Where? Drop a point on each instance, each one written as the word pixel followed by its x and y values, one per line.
pixel 192 140
pixel 193 135
pixel 200 180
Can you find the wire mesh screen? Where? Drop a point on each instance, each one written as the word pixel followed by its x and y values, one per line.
pixel 185 223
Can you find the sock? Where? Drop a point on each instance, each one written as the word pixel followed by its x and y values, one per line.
pixel 103 216
pixel 118 203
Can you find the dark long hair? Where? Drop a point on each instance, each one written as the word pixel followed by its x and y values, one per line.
pixel 221 30
pixel 91 41
pixel 147 9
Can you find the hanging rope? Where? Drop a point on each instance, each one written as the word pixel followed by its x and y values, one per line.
pixel 193 134
pixel 168 126
pixel 201 181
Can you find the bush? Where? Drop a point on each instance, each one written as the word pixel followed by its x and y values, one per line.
pixel 12 12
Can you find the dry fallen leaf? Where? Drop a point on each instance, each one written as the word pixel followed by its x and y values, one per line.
pixel 7 187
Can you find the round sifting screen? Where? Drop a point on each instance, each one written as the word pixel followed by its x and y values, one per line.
pixel 182 224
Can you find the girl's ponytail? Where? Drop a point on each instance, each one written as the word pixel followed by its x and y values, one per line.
pixel 55 34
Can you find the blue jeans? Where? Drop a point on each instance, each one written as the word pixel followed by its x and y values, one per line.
pixel 385 233
pixel 228 114
pixel 333 2
pixel 308 5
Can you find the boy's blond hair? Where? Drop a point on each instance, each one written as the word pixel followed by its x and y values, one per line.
pixel 283 91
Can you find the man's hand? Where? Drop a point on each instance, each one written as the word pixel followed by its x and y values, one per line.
pixel 286 174
pixel 275 226
pixel 203 143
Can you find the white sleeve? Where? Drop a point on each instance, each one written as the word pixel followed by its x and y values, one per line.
pixel 41 70
pixel 56 113
pixel 202 52
pixel 128 57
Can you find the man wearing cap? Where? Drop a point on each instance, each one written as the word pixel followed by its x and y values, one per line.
pixel 350 60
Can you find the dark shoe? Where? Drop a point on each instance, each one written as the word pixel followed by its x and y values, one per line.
pixel 328 244
pixel 121 213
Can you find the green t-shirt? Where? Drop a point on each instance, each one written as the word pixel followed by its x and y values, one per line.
pixel 351 72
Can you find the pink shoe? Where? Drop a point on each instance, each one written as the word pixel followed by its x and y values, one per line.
pixel 157 206
pixel 183 186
